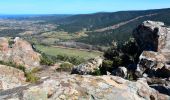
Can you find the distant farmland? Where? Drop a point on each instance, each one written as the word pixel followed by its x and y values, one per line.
pixel 71 52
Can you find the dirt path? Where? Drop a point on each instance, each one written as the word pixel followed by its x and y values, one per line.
pixel 122 23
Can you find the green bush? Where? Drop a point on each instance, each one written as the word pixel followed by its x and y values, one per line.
pixel 66 66
pixel 97 72
pixel 30 77
pixel 73 60
pixel 50 60
pixel 117 61
pixel 10 42
pixel 131 49
pixel 21 67
pixel 122 55
pixel 111 52
pixel 46 60
pixel 130 76
pixel 106 66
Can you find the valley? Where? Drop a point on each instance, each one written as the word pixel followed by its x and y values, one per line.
pixel 122 55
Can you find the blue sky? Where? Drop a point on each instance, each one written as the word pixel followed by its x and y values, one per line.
pixel 77 6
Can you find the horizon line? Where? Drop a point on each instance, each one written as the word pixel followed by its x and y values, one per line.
pixel 80 13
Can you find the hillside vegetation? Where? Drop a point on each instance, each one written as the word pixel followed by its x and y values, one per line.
pixel 124 32
pixel 100 20
pixel 86 28
pixel 75 56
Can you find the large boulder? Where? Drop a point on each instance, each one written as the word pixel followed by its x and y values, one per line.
pixel 76 87
pixel 10 77
pixel 18 51
pixel 152 64
pixel 89 67
pixel 151 35
pixel 153 39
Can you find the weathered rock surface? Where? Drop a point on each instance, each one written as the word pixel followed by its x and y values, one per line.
pixel 154 38
pixel 10 77
pixel 19 52
pixel 166 50
pixel 89 67
pixel 154 41
pixel 151 35
pixel 76 87
pixel 152 63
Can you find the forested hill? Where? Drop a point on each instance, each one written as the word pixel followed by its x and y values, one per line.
pixel 101 20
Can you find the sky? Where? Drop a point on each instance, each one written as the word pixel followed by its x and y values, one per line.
pixel 77 6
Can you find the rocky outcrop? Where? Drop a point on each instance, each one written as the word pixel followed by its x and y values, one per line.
pixel 10 77
pixel 154 41
pixel 89 67
pixel 151 36
pixel 18 51
pixel 76 87
pixel 151 63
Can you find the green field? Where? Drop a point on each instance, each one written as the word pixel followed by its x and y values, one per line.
pixel 54 51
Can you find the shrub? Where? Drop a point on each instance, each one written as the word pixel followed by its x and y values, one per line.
pixel 110 53
pixel 97 72
pixel 30 77
pixel 117 61
pixel 3 63
pixel 73 60
pixel 66 66
pixel 122 55
pixel 21 67
pixel 76 60
pixel 130 47
pixel 46 60
pixel 106 66
pixel 50 60
pixel 10 42
pixel 36 69
pixel 130 76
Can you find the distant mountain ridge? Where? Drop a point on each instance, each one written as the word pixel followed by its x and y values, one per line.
pixel 104 27
pixel 123 23
pixel 100 20
pixel 122 32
